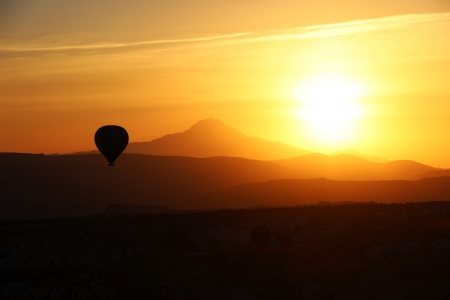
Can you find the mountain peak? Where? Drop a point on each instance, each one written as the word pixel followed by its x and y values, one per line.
pixel 213 128
pixel 208 123
pixel 211 137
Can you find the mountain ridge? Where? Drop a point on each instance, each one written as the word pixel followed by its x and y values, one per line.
pixel 47 186
pixel 294 192
pixel 193 142
pixel 372 158
pixel 211 137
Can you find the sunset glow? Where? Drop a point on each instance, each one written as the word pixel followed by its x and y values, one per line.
pixel 216 149
pixel 330 106
pixel 318 75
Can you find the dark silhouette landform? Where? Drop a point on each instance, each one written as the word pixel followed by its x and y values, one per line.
pixel 40 186
pixel 209 138
pixel 434 173
pixel 372 158
pixel 292 192
pixel 122 210
pixel 177 227
pixel 352 251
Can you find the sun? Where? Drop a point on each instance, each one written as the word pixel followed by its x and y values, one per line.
pixel 329 105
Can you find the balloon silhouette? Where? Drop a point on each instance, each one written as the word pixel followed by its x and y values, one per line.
pixel 260 236
pixel 111 140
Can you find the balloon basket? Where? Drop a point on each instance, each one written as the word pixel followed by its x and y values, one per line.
pixel 111 165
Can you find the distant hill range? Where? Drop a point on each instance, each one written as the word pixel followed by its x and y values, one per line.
pixel 122 210
pixel 40 186
pixel 434 173
pixel 291 192
pixel 372 158
pixel 349 167
pixel 209 138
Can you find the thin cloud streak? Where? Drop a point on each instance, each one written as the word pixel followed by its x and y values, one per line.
pixel 330 30
pixel 308 32
pixel 348 28
pixel 123 45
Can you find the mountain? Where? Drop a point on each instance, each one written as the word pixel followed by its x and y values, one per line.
pixel 434 173
pixel 122 210
pixel 372 158
pixel 350 167
pixel 292 192
pixel 40 186
pixel 211 137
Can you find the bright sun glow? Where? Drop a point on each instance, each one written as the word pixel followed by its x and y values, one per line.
pixel 329 105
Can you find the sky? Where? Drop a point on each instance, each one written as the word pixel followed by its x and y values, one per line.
pixel 321 75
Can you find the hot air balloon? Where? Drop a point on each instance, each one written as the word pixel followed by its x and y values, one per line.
pixel 111 140
pixel 260 235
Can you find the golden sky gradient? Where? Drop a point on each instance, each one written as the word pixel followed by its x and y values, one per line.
pixel 157 67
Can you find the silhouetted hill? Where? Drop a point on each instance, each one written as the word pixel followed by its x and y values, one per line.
pixel 434 173
pixel 372 158
pixel 120 210
pixel 292 192
pixel 350 167
pixel 39 186
pixel 210 138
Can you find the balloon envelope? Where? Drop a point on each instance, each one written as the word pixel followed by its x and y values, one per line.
pixel 111 140
pixel 260 236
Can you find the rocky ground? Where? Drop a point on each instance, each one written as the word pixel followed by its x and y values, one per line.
pixel 349 251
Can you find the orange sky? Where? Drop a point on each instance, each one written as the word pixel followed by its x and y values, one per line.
pixel 157 67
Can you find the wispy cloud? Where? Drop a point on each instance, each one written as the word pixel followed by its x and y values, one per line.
pixel 308 32
pixel 348 28
pixel 100 46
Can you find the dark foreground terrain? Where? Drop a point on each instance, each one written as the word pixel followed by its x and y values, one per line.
pixel 34 186
pixel 339 251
